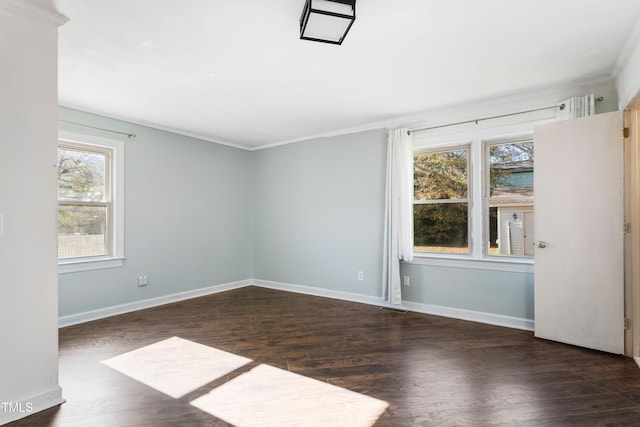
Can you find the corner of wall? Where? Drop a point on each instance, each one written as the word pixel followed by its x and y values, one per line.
pixel 626 71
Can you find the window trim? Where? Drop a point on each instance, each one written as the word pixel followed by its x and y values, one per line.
pixel 445 139
pixel 116 176
pixel 514 265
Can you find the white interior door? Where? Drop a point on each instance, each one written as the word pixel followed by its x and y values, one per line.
pixel 579 215
pixel 529 233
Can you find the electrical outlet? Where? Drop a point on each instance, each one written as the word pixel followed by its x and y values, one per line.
pixel 406 280
pixel 360 276
pixel 143 280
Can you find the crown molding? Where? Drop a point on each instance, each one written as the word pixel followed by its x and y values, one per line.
pixel 41 11
pixel 506 102
pixel 150 125
pixel 627 50
pixel 533 97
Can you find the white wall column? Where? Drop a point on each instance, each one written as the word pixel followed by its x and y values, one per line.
pixel 28 242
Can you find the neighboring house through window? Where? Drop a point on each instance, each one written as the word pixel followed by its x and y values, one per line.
pixel 510 198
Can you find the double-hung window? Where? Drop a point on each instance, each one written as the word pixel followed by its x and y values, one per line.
pixel 84 201
pixel 90 211
pixel 441 200
pixel 473 202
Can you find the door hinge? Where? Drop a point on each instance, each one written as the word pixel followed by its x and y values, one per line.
pixel 626 228
pixel 625 132
pixel 627 323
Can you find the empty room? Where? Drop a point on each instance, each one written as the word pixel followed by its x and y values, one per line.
pixel 319 213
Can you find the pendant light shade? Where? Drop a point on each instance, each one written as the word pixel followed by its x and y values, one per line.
pixel 327 21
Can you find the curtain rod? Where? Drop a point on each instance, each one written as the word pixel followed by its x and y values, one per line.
pixel 560 106
pixel 129 135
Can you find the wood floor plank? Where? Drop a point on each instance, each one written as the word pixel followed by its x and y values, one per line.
pixel 430 370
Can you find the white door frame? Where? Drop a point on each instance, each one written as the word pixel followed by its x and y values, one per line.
pixel 632 213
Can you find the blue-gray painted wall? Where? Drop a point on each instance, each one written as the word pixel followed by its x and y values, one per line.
pixel 187 218
pixel 199 214
pixel 497 292
pixel 318 219
pixel 318 212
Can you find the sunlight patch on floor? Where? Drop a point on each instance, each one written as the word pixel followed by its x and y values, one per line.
pixel 268 396
pixel 176 366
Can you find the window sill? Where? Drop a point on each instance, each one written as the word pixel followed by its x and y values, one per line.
pixel 519 265
pixel 86 264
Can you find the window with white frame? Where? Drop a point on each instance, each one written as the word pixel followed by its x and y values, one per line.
pixel 473 198
pixel 441 200
pixel 90 211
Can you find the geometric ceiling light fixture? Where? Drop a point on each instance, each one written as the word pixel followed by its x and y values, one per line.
pixel 327 21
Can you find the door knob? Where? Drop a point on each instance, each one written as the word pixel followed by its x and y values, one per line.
pixel 540 244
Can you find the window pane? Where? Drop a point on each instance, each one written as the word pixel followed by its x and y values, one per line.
pixel 511 231
pixel 81 175
pixel 511 169
pixel 441 227
pixel 82 231
pixel 440 175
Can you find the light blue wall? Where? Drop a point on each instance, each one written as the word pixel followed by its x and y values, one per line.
pixel 318 212
pixel 311 213
pixel 318 218
pixel 187 218
pixel 497 292
pixel 200 214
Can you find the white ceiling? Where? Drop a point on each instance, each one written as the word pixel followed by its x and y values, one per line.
pixel 236 71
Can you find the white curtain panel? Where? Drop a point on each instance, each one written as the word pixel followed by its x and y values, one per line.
pixel 398 217
pixel 577 106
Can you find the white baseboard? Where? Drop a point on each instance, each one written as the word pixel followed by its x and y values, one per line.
pixel 87 316
pixel 637 359
pixel 473 316
pixel 12 411
pixel 456 313
pixel 319 292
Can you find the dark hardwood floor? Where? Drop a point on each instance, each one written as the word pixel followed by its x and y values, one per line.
pixel 432 371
